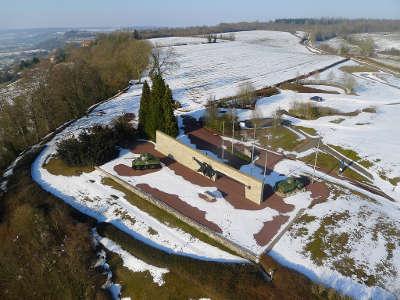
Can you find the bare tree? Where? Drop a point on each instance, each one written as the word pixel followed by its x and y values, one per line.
pixel 317 76
pixel 256 117
pixel 349 83
pixel 246 94
pixel 277 118
pixel 163 60
pixel 331 76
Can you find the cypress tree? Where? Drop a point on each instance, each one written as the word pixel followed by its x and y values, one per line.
pixel 169 120
pixel 156 110
pixel 145 103
pixel 157 95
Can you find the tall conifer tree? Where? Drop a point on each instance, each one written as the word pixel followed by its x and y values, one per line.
pixel 145 102
pixel 169 119
pixel 157 109
pixel 157 95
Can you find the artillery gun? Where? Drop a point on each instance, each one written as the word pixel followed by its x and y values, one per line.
pixel 206 169
pixel 146 161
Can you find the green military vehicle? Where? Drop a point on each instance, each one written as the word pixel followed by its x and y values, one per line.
pixel 289 185
pixel 146 161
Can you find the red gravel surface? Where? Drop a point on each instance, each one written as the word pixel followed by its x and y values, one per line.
pixel 124 170
pixel 319 192
pixel 270 229
pixel 175 202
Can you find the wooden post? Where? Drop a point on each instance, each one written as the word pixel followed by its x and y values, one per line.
pixel 315 160
pixel 223 146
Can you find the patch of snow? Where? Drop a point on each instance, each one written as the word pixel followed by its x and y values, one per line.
pixel 131 262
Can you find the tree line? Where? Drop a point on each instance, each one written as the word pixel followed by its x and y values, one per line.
pixel 61 91
pixel 321 28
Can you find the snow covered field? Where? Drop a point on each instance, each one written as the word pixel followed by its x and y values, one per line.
pixel 369 253
pixel 370 134
pixel 262 58
pixel 384 40
pixel 347 235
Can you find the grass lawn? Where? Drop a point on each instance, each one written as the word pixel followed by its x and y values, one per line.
pixel 187 278
pixel 281 137
pixel 57 167
pixel 394 180
pixel 310 131
pixel 351 154
pixel 193 279
pixel 305 89
pixel 356 69
pixel 380 64
pixel 331 164
pixel 337 121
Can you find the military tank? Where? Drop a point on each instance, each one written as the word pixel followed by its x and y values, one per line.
pixel 146 161
pixel 289 185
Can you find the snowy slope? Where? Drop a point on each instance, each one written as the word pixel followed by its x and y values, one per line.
pixel 262 58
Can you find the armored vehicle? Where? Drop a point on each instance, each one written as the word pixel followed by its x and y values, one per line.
pixel 146 161
pixel 289 185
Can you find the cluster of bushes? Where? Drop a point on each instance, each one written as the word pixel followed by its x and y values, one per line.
pixel 92 147
pixel 310 111
pixel 11 73
pixel 391 51
pixel 96 145
pixel 157 109
pixel 366 46
pixel 53 93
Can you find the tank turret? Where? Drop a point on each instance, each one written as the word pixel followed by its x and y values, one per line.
pixel 146 161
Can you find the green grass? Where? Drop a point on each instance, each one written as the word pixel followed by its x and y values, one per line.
pixel 56 166
pixel 371 110
pixel 380 64
pixel 304 89
pixel 331 164
pixel 357 69
pixel 394 180
pixel 353 155
pixel 240 155
pixel 323 244
pixel 281 137
pixel 192 279
pixel 162 215
pixel 337 121
pixel 312 111
pixel 187 278
pixel 310 131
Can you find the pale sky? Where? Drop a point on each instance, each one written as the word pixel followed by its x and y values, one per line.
pixel 117 13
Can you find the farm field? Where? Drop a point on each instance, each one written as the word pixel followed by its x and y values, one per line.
pixel 261 58
pixel 332 242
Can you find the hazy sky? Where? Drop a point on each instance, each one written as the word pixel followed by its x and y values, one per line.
pixel 103 13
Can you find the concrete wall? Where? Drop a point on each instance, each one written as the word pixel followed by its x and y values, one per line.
pixel 184 155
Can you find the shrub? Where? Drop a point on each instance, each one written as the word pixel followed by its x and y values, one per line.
pixel 311 111
pixel 246 95
pixel 123 129
pixel 92 147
